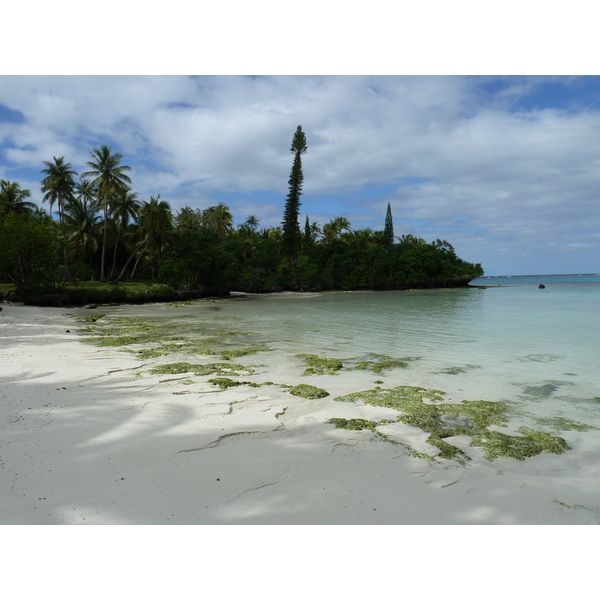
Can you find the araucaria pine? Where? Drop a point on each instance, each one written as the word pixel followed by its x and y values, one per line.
pixel 292 237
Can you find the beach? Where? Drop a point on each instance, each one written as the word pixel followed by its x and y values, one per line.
pixel 86 440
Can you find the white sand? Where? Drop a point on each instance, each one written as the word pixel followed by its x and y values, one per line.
pixel 83 440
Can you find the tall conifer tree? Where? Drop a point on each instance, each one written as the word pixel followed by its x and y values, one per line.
pixel 307 233
pixel 292 236
pixel 388 230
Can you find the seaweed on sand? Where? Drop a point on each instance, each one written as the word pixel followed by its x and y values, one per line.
pixel 316 365
pixel 309 392
pixel 210 369
pixel 424 409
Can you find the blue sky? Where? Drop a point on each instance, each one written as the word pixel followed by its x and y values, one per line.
pixel 505 168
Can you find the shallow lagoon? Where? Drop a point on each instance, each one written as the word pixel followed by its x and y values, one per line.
pixel 533 349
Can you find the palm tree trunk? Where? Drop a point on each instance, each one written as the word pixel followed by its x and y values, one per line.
pixel 91 264
pixel 138 247
pixel 102 271
pixel 152 266
pixel 112 271
pixel 136 264
pixel 66 275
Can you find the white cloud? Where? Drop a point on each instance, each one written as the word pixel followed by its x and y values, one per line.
pixel 499 176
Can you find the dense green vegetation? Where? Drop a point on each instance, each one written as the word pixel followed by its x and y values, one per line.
pixel 104 234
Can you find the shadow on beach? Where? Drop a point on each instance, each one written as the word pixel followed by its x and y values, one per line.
pixel 114 449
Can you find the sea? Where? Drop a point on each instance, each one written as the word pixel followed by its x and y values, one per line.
pixel 502 339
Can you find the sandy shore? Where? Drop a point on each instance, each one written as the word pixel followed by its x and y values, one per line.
pixel 85 441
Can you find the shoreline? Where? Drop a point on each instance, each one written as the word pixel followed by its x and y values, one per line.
pixel 160 293
pixel 85 441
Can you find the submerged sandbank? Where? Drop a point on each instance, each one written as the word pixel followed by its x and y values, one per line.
pixel 87 439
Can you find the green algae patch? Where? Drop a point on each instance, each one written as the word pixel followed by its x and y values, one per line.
pixel 362 424
pixel 439 420
pixel 225 383
pixel 447 450
pixel 172 369
pixel 200 348
pixel 560 424
pixel 397 398
pixel 90 319
pixel 520 447
pixel 381 365
pixel 149 353
pixel 183 303
pixel 161 337
pixel 575 506
pixel 309 392
pixel 315 365
pixel 125 331
pixel 424 409
pixel 114 341
pixel 222 369
pixel 210 369
pixel 478 414
pixel 229 354
pixel 124 340
pixel 353 424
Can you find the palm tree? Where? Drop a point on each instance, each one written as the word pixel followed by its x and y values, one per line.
pixel 271 233
pixel 109 176
pixel 155 221
pixel 83 223
pixel 188 218
pixel 12 199
pixel 218 218
pixel 252 222
pixel 334 228
pixel 86 192
pixel 124 207
pixel 59 185
pixel 410 241
pixel 363 237
pixel 315 231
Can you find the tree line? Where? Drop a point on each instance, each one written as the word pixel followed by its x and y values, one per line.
pixel 104 232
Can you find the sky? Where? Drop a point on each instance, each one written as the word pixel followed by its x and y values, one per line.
pixel 504 167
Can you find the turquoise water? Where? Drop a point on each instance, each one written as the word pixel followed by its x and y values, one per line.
pixel 520 280
pixel 535 349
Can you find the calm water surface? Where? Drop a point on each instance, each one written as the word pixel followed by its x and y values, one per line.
pixel 537 349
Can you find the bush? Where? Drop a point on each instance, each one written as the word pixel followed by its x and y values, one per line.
pixel 28 254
